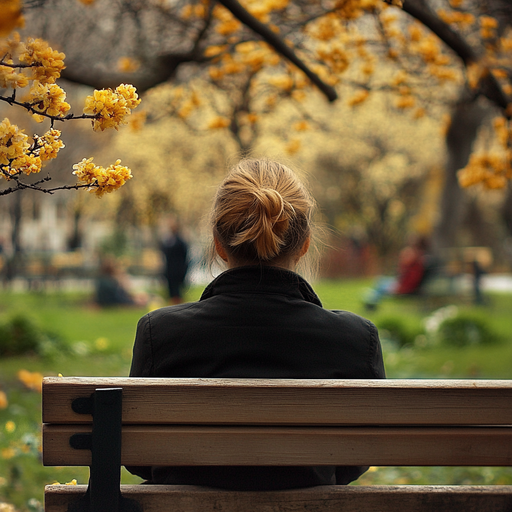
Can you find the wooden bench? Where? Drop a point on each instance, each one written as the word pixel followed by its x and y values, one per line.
pixel 275 422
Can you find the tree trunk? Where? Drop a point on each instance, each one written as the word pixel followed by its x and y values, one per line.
pixel 466 119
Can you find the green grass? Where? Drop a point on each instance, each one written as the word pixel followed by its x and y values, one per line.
pixel 99 342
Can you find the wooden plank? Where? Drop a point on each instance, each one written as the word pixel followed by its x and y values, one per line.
pixel 156 498
pixel 279 402
pixel 373 446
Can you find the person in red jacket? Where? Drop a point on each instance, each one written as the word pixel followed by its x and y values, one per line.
pixel 412 269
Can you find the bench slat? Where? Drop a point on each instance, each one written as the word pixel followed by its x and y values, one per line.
pixel 157 498
pixel 387 446
pixel 260 401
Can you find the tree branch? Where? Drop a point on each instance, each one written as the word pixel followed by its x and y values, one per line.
pixel 489 86
pixel 240 13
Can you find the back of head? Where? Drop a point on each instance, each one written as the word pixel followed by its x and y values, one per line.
pixel 262 212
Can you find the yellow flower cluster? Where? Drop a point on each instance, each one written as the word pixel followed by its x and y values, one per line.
pixel 18 156
pixel 219 122
pixel 3 400
pixel 335 57
pixel 359 97
pixel 48 99
pixel 49 145
pixel 13 142
pixel 101 180
pixel 128 65
pixel 32 380
pixel 10 78
pixel 492 171
pixel 46 63
pixel 111 108
pixel 11 17
pixel 458 18
pixel 488 27
pixel 14 151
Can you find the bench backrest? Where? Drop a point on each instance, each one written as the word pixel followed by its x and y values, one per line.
pixel 289 422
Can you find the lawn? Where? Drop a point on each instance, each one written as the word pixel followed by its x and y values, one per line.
pixel 82 340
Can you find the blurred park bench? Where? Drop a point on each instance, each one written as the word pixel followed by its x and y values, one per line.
pixel 53 270
pixel 456 273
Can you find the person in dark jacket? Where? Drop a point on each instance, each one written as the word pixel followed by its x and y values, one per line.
pixel 175 251
pixel 258 319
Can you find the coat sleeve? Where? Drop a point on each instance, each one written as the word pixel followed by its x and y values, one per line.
pixel 142 363
pixel 376 359
pixel 142 360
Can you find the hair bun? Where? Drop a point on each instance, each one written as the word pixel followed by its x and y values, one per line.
pixel 262 211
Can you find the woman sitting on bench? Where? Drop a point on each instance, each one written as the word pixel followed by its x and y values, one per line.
pixel 258 319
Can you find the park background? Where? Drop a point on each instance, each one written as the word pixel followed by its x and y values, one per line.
pixel 381 160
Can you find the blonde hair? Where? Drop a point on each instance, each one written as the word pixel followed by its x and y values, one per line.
pixel 262 212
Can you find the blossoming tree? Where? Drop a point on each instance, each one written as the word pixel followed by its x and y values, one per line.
pixel 445 51
pixel 29 70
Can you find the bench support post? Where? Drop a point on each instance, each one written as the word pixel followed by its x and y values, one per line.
pixel 103 493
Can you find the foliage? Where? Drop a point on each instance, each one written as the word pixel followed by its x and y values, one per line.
pixel 466 329
pixel 33 64
pixel 20 335
pixel 100 343
pixel 397 331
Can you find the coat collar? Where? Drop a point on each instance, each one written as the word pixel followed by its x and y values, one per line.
pixel 265 279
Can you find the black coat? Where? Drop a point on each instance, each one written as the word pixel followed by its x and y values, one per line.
pixel 256 322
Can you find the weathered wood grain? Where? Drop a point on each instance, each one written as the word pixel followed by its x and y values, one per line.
pixel 261 401
pixel 374 446
pixel 157 498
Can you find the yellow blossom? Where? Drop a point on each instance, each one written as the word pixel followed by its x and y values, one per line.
pixel 129 93
pixel 219 122
pixel 293 146
pixel 11 16
pixel 336 57
pixel 46 63
pixel 8 453
pixel 301 126
pixel 101 343
pixel 10 426
pixel 9 78
pixel 215 73
pixel 491 170
pixel 415 32
pixel 49 144
pixel 406 101
pixel 3 400
pixel 284 82
pixel 26 164
pixel 13 142
pixel 49 99
pixel 213 51
pixel 111 107
pixel 228 27
pixel 101 180
pixel 475 72
pixel 137 120
pixel 32 380
pixel 127 65
pixel 419 113
pixel 358 98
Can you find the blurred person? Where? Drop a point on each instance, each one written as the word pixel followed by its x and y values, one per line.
pixel 112 287
pixel 413 267
pixel 258 319
pixel 175 251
